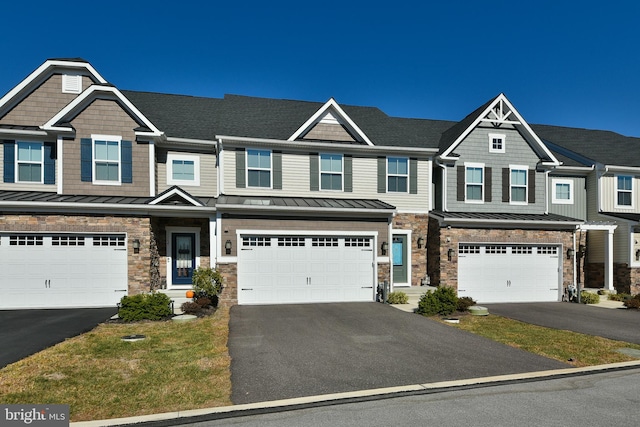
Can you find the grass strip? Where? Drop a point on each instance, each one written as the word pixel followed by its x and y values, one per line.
pixel 179 366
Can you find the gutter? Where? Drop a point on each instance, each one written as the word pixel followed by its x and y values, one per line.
pixel 112 208
pixel 300 209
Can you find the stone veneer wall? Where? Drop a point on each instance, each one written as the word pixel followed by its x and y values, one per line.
pixel 445 272
pixel 229 295
pixel 419 225
pixel 135 227
pixel 625 279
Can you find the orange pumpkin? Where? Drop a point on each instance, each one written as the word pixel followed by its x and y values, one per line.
pixel 190 294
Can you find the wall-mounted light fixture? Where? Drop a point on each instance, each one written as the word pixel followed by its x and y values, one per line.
pixel 638 255
pixel 227 247
pixel 450 253
pixel 570 253
pixel 582 250
pixel 385 247
pixel 420 242
pixel 136 246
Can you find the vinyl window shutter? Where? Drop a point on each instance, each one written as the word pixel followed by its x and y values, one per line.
pixel 9 160
pixel 314 172
pixel 86 161
pixel 413 176
pixel 276 158
pixel 49 163
pixel 348 174
pixel 506 187
pixel 126 161
pixel 240 168
pixel 532 186
pixel 382 174
pixel 460 184
pixel 487 184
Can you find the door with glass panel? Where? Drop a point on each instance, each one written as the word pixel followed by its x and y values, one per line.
pixel 183 258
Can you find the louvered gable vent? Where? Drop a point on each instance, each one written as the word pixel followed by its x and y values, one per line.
pixel 71 83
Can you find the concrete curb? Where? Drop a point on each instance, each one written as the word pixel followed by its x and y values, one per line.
pixel 222 412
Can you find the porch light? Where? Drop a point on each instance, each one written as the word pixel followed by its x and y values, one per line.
pixel 450 253
pixel 570 253
pixel 420 242
pixel 385 248
pixel 582 250
pixel 638 255
pixel 227 247
pixel 136 246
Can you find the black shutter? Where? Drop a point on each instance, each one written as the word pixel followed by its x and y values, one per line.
pixel 277 170
pixel 314 172
pixel 532 186
pixel 126 159
pixel 240 168
pixel 9 160
pixel 460 184
pixel 506 187
pixel 86 161
pixel 382 174
pixel 49 163
pixel 413 176
pixel 348 174
pixel 487 184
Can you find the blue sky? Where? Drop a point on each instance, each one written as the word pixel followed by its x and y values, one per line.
pixel 565 63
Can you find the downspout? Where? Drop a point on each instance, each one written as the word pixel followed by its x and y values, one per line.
pixel 219 164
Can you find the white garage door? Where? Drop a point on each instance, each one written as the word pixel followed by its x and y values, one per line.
pixel 286 269
pixel 509 273
pixel 56 271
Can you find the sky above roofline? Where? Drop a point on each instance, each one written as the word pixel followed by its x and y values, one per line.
pixel 558 64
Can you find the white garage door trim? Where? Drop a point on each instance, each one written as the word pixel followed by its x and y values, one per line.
pixel 280 267
pixel 62 270
pixel 509 272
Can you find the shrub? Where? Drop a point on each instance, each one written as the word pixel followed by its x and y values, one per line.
pixel 443 301
pixel 464 303
pixel 207 282
pixel 589 298
pixel 619 297
pixel 153 306
pixel 190 307
pixel 397 297
pixel 203 302
pixel 633 302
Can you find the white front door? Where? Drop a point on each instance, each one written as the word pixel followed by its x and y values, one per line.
pixel 301 269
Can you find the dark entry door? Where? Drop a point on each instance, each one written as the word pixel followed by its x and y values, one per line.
pixel 183 258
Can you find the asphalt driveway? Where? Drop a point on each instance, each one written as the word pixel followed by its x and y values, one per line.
pixel 616 324
pixel 25 332
pixel 286 351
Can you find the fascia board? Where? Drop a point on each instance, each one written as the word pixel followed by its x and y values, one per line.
pixel 499 223
pixel 174 193
pixel 325 147
pixel 177 142
pixel 22 132
pixel 331 103
pixel 616 168
pixel 299 209
pixel 86 208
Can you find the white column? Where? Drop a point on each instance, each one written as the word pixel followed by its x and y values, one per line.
pixel 213 241
pixel 608 262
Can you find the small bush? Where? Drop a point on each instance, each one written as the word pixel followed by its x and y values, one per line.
pixel 207 282
pixel 589 298
pixel 153 306
pixel 203 301
pixel 442 301
pixel 397 297
pixel 464 303
pixel 633 302
pixel 619 297
pixel 190 307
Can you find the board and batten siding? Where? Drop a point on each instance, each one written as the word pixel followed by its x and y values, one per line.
pixel 208 173
pixel 577 209
pixel 475 149
pixel 609 194
pixel 296 181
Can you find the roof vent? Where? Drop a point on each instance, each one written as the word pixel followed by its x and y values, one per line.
pixel 71 83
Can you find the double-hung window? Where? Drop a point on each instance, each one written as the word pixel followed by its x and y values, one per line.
pixel 29 159
pixel 106 159
pixel 259 168
pixel 518 184
pixel 562 191
pixel 474 182
pixel 331 172
pixel 397 174
pixel 624 191
pixel 183 169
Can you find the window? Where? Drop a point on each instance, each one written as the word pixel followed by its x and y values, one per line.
pixel 562 191
pixel 106 159
pixel 259 168
pixel 474 183
pixel 29 157
pixel 496 143
pixel 624 191
pixel 518 184
pixel 331 172
pixel 397 174
pixel 183 170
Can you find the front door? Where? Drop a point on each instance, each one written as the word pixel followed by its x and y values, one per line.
pixel 183 258
pixel 399 255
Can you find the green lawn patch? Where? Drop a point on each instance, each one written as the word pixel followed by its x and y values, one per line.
pixel 179 366
pixel 566 346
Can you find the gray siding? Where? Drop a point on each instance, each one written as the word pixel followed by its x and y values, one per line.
pixel 475 149
pixel 208 172
pixel 577 209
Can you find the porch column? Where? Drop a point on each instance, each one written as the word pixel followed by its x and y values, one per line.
pixel 213 241
pixel 608 261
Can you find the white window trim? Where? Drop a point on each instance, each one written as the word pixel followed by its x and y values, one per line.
pixel 17 162
pixel 183 182
pixel 270 169
pixel 526 186
pixel 617 190
pixel 554 197
pixel 501 136
pixel 109 138
pixel 401 175
pixel 332 173
pixel 466 184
